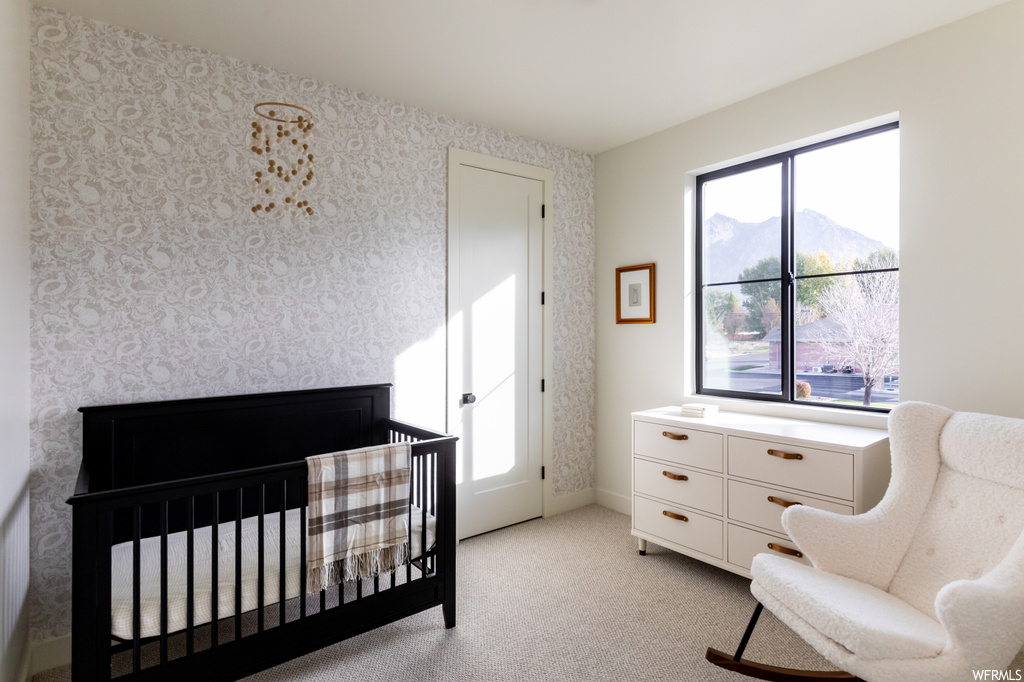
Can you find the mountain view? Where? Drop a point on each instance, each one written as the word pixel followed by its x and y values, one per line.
pixel 732 245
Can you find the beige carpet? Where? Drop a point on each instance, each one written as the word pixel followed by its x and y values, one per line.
pixel 563 598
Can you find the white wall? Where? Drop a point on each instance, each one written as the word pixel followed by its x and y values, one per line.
pixel 959 93
pixel 14 338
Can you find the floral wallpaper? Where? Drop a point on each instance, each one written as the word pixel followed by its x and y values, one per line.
pixel 153 280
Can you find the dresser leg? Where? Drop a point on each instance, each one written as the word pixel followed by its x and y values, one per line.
pixel 642 546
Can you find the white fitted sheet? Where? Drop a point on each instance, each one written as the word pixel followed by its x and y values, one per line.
pixel 121 572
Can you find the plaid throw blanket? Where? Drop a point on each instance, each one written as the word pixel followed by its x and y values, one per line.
pixel 358 514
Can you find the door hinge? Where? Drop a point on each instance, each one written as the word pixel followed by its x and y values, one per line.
pixel 542 298
pixel 542 473
pixel 542 210
pixel 541 385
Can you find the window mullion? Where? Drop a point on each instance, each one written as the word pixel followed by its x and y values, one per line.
pixel 788 346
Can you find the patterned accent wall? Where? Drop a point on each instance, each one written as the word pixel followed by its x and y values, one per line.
pixel 153 280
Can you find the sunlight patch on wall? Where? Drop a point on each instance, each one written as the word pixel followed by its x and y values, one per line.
pixel 420 381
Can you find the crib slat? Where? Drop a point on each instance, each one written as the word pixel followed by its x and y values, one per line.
pixel 303 501
pixel 136 588
pixel 190 576
pixel 432 483
pixel 163 582
pixel 238 564
pixel 423 516
pixel 261 505
pixel 412 494
pixel 214 568
pixel 282 543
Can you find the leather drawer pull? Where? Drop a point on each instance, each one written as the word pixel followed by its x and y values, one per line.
pixel 675 436
pixel 675 477
pixel 673 515
pixel 786 550
pixel 785 455
pixel 781 502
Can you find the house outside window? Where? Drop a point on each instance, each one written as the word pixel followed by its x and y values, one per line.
pixel 798 275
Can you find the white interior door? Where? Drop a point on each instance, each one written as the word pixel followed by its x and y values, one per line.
pixel 495 342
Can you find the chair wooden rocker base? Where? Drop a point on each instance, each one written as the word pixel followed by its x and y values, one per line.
pixel 762 671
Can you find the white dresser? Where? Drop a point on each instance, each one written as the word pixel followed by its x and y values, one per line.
pixel 715 488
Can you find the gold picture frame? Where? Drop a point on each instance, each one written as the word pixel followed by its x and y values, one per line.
pixel 634 294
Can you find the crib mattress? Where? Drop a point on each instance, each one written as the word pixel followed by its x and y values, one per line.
pixel 122 573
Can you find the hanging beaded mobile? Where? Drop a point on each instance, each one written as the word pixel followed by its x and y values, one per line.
pixel 282 138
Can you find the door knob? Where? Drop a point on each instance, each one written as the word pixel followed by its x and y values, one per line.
pixel 468 398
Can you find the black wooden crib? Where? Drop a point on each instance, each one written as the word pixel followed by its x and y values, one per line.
pixel 189 540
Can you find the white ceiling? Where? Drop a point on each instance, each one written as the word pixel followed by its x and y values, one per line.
pixel 585 74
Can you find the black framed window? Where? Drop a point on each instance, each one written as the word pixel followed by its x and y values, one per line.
pixel 798 275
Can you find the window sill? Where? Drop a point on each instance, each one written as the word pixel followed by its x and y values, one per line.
pixel 811 413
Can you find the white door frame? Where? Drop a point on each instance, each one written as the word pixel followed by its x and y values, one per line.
pixel 461 157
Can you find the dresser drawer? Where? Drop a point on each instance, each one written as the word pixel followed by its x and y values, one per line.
pixel 750 504
pixel 745 544
pixel 678 444
pixel 698 532
pixel 816 471
pixel 682 486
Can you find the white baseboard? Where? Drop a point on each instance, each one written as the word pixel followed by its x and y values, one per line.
pixel 557 505
pixel 614 501
pixel 50 654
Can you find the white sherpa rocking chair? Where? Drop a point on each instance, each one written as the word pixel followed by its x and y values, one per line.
pixel 928 585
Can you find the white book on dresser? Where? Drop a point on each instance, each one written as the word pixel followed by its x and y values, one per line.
pixel 714 488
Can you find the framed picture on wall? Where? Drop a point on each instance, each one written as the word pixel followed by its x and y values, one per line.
pixel 634 294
